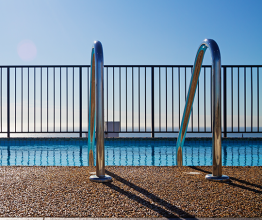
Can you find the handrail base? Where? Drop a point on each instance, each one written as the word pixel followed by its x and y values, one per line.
pixel 222 178
pixel 104 179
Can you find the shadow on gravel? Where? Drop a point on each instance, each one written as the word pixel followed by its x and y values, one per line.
pixel 237 180
pixel 247 183
pixel 174 211
pixel 199 169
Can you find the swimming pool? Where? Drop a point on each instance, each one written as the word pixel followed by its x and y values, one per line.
pixel 127 152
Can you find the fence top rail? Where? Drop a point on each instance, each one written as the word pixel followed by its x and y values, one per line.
pixel 147 66
pixel 242 66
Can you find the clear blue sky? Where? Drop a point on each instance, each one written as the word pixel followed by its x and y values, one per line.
pixel 132 32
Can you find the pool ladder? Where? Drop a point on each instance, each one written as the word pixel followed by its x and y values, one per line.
pixel 96 111
pixel 216 108
pixel 96 114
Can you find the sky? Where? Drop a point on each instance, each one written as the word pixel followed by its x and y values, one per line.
pixel 138 32
pixel 167 32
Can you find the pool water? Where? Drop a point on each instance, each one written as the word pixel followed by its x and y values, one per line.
pixel 126 152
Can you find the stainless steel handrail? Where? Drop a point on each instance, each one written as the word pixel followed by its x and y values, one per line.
pixel 96 114
pixel 216 108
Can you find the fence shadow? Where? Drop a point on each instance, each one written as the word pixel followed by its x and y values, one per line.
pixel 237 180
pixel 174 212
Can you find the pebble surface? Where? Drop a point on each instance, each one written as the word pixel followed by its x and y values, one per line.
pixel 136 192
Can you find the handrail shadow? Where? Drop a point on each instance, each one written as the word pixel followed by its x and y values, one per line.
pixel 238 180
pixel 179 212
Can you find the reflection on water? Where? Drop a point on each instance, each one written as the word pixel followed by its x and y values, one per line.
pixel 63 153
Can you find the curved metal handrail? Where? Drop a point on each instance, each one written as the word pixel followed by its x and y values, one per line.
pixel 96 114
pixel 216 107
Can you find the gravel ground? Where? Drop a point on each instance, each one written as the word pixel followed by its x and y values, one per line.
pixel 135 192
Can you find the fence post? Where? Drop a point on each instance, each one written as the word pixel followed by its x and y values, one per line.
pixel 152 103
pixel 80 101
pixel 8 102
pixel 225 100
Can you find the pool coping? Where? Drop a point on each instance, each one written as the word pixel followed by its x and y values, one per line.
pixel 135 138
pixel 126 140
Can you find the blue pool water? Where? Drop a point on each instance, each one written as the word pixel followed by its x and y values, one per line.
pixel 126 152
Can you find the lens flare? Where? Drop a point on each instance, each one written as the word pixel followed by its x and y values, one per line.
pixel 26 50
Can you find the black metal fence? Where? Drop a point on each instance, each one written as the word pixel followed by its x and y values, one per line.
pixel 147 100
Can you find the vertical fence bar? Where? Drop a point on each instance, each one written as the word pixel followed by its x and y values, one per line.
pixel 205 115
pixel 185 84
pixel 192 115
pixel 179 98
pixel 211 86
pixel 22 89
pixel 152 102
pixel 47 97
pixel 245 94
pixel 232 102
pixel 251 99
pixel 107 97
pixel 74 99
pixel 126 99
pixel 139 99
pixel 28 99
pixel 225 100
pixel 8 102
pixel 258 99
pixel 145 96
pixel 159 100
pixel 166 99
pixel 132 101
pixel 87 96
pixel 172 99
pixel 60 94
pixel 113 98
pixel 41 91
pixel 120 98
pixel 34 100
pixel 198 105
pixel 1 99
pixel 54 99
pixel 80 101
pixel 67 99
pixel 15 99
pixel 238 98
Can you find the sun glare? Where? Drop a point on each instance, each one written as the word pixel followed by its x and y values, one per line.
pixel 26 50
